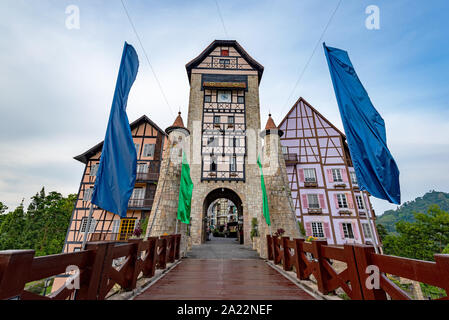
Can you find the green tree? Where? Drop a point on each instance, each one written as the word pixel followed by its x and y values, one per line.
pixel 382 231
pixel 421 239
pixel 42 227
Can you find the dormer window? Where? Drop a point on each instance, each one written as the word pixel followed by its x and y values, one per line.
pixel 224 63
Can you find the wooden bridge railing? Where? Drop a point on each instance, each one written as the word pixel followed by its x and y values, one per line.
pixel 101 266
pixel 356 280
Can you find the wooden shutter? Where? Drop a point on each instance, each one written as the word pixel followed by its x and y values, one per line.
pixel 350 201
pixel 330 175
pixel 327 232
pixel 308 229
pixel 342 233
pixel 354 230
pixel 322 203
pixel 301 175
pixel 344 174
pixel 336 201
pixel 305 203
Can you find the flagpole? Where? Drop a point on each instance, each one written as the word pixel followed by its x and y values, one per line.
pixel 87 230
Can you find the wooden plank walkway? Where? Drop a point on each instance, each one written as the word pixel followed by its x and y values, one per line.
pixel 219 279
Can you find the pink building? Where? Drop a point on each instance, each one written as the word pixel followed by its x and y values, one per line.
pixel 149 140
pixel 324 187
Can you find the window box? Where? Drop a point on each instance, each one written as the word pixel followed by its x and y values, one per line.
pixel 310 184
pixel 217 125
pixel 233 174
pixel 345 212
pixel 231 125
pixel 212 174
pixel 340 185
pixel 315 211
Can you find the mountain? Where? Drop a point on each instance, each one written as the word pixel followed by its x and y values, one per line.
pixel 405 212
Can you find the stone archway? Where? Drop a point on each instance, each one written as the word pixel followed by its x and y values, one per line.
pixel 221 193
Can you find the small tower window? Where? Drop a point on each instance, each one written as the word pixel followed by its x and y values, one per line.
pixel 233 164
pixel 213 164
pixel 225 53
pixel 207 98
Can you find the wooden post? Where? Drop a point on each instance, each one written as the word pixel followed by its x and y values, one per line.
pixel 178 247
pixel 107 265
pixel 286 254
pixel 149 267
pixel 276 253
pixel 269 247
pixel 15 266
pixel 172 247
pixel 134 266
pixel 162 253
pixel 320 272
pixel 300 263
pixel 351 263
pixel 442 261
pixel 99 251
pixel 362 254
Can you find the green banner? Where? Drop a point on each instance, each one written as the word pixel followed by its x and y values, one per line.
pixel 185 192
pixel 266 211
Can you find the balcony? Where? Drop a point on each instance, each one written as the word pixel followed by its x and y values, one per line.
pixel 290 158
pixel 140 204
pixel 148 176
pixel 310 184
pixel 340 186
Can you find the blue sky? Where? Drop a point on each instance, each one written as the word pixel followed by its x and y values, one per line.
pixel 57 84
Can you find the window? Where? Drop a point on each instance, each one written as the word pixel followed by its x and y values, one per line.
pixel 213 164
pixel 208 98
pixel 224 96
pixel 353 177
pixel 285 150
pixel 148 150
pixel 233 164
pixel 240 99
pixel 142 168
pixel 224 52
pixel 224 63
pixel 313 202
pixel 342 201
pixel 93 225
pixel 137 147
pixel 216 119
pixel 88 194
pixel 116 226
pixel 234 142
pixel 367 230
pixel 231 119
pixel 126 228
pixel 94 170
pixel 212 142
pixel 309 175
pixel 360 203
pixel 336 174
pixel 347 230
pixel 317 230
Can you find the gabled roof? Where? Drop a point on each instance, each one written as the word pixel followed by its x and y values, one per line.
pixel 231 43
pixel 84 158
pixel 301 99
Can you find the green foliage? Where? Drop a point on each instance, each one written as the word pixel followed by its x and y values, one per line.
pixel 42 227
pixel 382 231
pixel 406 211
pixel 254 228
pixel 144 225
pixel 421 239
pixel 302 229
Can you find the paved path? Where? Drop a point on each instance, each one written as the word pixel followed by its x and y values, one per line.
pixel 223 270
pixel 222 248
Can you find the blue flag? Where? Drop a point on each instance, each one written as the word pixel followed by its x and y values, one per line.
pixel 116 174
pixel 374 165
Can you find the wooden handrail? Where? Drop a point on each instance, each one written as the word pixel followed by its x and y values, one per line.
pixel 314 258
pixel 97 274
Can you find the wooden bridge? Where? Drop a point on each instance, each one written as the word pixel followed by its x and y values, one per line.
pixel 104 266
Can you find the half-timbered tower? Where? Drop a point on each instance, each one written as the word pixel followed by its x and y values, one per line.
pixel 149 140
pixel 322 179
